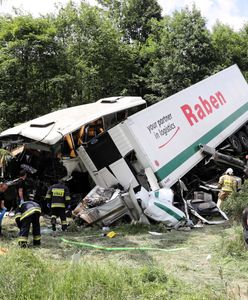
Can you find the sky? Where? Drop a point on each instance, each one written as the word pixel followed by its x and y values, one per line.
pixel 231 12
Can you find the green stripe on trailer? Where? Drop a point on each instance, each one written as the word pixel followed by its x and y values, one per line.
pixel 194 148
pixel 169 211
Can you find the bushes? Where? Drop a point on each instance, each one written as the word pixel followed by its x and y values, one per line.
pixel 234 244
pixel 236 203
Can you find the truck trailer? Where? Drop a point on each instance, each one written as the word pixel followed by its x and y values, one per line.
pixel 166 141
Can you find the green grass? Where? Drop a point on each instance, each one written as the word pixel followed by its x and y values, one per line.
pixel 50 272
pixel 25 275
pixel 232 244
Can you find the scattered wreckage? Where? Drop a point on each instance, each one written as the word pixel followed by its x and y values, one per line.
pixel 121 159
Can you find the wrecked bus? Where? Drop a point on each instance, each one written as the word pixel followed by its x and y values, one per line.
pixel 183 143
pixel 48 145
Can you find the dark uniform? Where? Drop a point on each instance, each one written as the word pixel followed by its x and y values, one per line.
pixel 26 214
pixel 22 192
pixel 245 224
pixel 59 196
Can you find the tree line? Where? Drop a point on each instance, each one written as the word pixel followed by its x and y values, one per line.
pixel 82 53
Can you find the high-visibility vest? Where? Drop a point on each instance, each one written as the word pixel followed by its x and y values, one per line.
pixel 227 183
pixel 59 195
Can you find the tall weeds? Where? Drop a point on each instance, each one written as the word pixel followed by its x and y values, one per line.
pixel 24 275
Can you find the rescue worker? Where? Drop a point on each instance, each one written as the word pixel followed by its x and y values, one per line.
pixel 245 224
pixel 59 197
pixel 3 209
pixel 22 188
pixel 227 184
pixel 27 213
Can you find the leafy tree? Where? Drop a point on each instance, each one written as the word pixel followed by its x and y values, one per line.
pixel 230 46
pixel 99 63
pixel 84 53
pixel 180 53
pixel 28 63
pixel 133 16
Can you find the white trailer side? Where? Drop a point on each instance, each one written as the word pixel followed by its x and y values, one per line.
pixel 166 136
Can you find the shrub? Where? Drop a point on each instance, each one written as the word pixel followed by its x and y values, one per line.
pixel 236 203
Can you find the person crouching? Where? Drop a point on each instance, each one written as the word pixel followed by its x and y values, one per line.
pixel 27 213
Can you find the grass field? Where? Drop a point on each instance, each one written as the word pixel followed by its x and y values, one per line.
pixel 204 263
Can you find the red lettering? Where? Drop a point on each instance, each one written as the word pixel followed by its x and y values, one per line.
pixel 206 105
pixel 220 97
pixel 203 108
pixel 189 114
pixel 214 102
pixel 200 112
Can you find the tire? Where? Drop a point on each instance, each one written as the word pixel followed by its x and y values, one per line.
pixel 236 144
pixel 243 137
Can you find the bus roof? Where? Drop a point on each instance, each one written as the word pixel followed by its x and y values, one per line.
pixel 50 128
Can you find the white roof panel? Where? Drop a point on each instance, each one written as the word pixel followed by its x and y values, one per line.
pixel 50 128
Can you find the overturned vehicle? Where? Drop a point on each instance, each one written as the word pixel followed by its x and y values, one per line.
pixel 122 159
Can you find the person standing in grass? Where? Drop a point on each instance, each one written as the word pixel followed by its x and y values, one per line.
pixel 22 188
pixel 59 197
pixel 245 224
pixel 3 209
pixel 227 184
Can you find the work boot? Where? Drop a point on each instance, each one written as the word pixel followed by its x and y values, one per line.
pixel 53 222
pixel 36 243
pixel 64 227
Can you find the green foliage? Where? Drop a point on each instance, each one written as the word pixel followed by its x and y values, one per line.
pixel 84 53
pixel 234 244
pixel 5 157
pixel 182 54
pixel 230 46
pixel 28 61
pixel 97 60
pixel 133 17
pixel 236 203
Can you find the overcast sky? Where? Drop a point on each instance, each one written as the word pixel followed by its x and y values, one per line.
pixel 232 12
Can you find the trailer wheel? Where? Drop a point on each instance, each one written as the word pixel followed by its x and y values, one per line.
pixel 235 143
pixel 243 139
